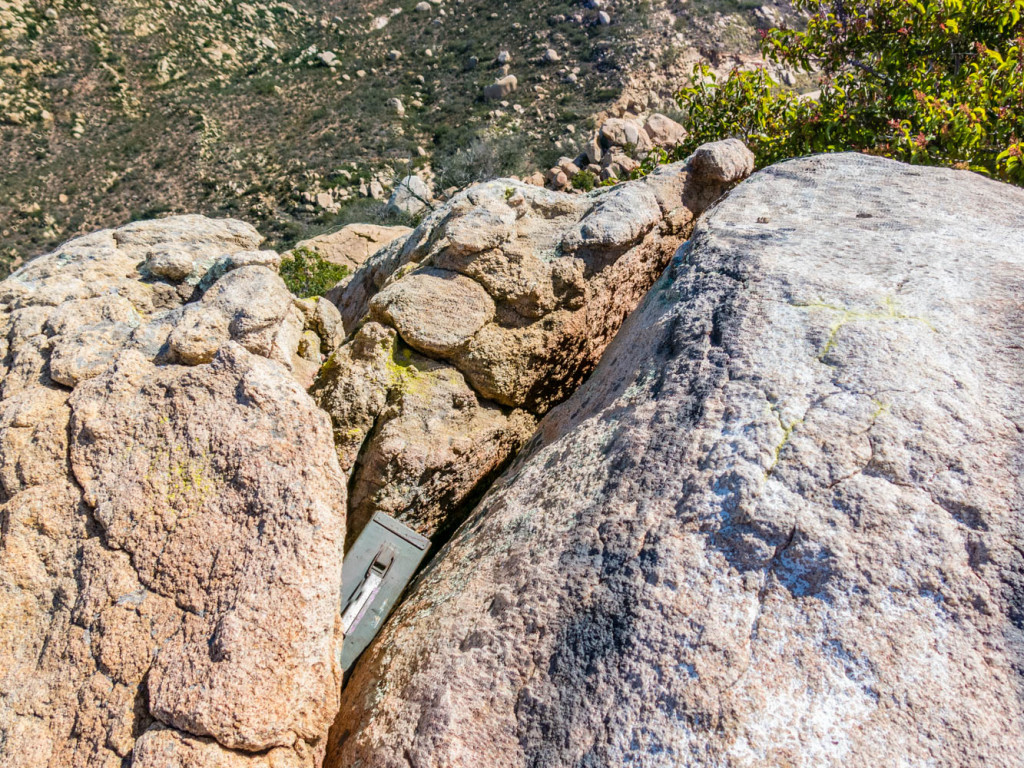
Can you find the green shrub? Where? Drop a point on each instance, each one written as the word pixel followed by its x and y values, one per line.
pixel 937 82
pixel 484 158
pixel 584 180
pixel 307 273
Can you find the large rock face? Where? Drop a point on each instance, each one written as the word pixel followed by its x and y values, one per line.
pixel 781 524
pixel 494 309
pixel 171 506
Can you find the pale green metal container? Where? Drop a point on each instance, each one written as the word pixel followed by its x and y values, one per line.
pixel 374 575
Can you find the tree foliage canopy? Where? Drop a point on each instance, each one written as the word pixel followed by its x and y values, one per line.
pixel 938 82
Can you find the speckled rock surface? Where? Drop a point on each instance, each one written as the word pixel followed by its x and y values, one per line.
pixel 171 507
pixel 781 524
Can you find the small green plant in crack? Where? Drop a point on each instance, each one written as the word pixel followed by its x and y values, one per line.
pixel 307 273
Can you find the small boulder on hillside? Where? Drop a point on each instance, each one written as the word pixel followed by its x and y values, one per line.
pixel 619 132
pixel 395 105
pixel 664 131
pixel 411 196
pixel 501 88
pixel 568 167
pixel 557 178
pixel 619 164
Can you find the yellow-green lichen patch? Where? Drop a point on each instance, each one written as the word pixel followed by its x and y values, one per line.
pixel 787 433
pixel 889 311
pixel 182 479
pixel 403 375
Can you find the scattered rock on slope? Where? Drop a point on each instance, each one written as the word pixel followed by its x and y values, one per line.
pixel 664 131
pixel 780 524
pixel 501 88
pixel 172 506
pixel 619 132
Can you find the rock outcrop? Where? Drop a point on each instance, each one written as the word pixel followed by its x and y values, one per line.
pixel 426 444
pixel 494 309
pixel 171 506
pixel 616 148
pixel 353 244
pixel 781 524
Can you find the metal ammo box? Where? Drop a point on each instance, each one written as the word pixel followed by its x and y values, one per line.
pixel 374 574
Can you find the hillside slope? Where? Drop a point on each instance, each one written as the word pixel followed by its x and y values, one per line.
pixel 128 109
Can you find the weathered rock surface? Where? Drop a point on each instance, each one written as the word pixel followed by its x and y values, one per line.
pixel 171 533
pixel 351 245
pixel 510 293
pixel 781 524
pixel 432 447
pixel 167 748
pixel 561 270
pixel 424 442
pixel 435 311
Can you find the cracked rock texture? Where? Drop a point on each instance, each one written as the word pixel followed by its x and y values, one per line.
pixel 494 309
pixel 416 440
pixel 781 524
pixel 171 506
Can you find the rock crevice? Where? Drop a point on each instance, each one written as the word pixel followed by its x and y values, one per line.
pixel 493 310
